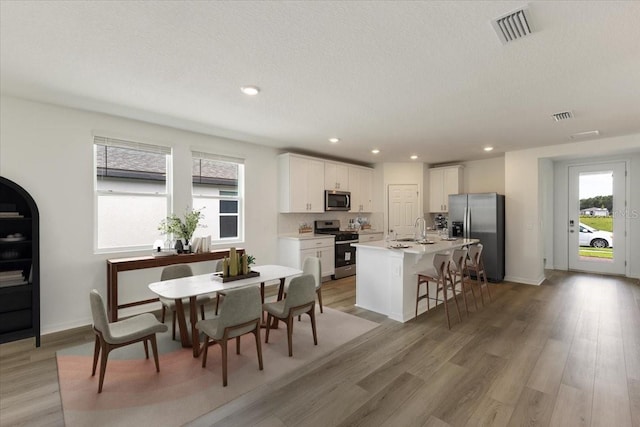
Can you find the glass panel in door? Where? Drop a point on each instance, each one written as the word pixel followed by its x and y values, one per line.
pixel 596 194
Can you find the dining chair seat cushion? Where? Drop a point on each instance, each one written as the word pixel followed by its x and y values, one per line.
pixel 430 272
pixel 278 309
pixel 305 293
pixel 211 327
pixel 133 328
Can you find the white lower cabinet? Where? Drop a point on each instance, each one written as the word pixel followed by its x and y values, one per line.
pixel 293 251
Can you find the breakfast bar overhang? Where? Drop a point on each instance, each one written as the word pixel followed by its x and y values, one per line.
pixel 386 277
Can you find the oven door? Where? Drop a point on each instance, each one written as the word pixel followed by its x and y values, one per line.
pixel 345 253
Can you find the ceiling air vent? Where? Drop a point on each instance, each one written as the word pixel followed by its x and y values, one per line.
pixel 565 115
pixel 513 26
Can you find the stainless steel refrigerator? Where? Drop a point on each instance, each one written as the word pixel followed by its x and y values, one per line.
pixel 481 216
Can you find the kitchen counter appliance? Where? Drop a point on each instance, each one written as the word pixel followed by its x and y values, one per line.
pixel 345 258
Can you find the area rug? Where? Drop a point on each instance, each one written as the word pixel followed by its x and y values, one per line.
pixel 134 394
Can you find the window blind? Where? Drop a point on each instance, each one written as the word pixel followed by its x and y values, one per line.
pixel 139 146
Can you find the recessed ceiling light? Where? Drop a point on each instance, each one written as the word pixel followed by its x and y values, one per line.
pixel 488 148
pixel 334 140
pixel 250 90
pixel 375 151
pixel 414 157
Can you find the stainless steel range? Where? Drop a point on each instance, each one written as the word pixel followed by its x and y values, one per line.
pixel 345 258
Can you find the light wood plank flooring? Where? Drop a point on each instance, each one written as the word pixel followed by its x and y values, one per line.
pixel 566 353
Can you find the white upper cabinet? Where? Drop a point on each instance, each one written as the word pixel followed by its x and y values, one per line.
pixel 443 182
pixel 361 187
pixel 336 176
pixel 301 183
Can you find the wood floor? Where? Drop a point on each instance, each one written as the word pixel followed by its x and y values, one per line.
pixel 566 353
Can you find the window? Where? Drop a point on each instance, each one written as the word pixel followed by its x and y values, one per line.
pixel 217 187
pixel 131 193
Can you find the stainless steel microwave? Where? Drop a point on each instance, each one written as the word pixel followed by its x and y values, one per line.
pixel 337 200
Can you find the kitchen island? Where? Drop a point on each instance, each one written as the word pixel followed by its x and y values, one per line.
pixel 386 278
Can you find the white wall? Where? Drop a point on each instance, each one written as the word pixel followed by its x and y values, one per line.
pixel 524 232
pixel 48 150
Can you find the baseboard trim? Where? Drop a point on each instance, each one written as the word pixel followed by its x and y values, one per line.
pixel 525 281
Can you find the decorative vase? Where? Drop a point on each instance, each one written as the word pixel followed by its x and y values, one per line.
pixel 233 262
pixel 179 248
pixel 245 265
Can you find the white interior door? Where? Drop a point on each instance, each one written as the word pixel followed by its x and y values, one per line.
pixel 597 229
pixel 403 209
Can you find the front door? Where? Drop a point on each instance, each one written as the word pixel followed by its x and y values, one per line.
pixel 403 209
pixel 597 199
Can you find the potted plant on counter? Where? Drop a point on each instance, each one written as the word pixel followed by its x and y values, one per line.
pixel 182 230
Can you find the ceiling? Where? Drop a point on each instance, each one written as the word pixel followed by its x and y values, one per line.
pixel 424 78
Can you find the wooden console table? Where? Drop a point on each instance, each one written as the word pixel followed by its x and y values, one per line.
pixel 114 266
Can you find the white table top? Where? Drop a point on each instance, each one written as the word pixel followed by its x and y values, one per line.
pixel 204 283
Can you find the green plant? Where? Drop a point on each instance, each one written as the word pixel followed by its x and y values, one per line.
pixel 179 228
pixel 251 260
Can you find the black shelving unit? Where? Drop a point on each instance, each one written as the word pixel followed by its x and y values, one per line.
pixel 19 256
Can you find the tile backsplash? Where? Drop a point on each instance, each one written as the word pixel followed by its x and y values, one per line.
pixel 290 222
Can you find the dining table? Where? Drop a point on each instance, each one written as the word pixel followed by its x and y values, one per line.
pixel 193 286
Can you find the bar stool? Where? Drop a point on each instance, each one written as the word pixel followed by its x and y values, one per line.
pixel 460 275
pixel 476 265
pixel 439 275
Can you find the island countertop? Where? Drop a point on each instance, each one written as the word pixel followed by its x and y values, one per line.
pixel 438 245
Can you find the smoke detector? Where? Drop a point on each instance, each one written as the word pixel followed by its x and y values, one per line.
pixel 565 115
pixel 513 26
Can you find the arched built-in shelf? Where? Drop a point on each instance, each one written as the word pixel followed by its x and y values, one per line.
pixel 19 264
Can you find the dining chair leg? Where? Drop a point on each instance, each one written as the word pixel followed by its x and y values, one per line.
pixel 418 296
pixel 103 364
pixel 446 303
pixel 290 334
pixel 205 352
pixel 96 353
pixel 475 301
pixel 223 345
pixel 266 337
pixel 486 282
pixel 164 311
pixel 238 344
pixel 319 292
pixel 146 348
pixel 312 314
pixel 258 346
pixel 173 326
pixel 455 299
pixel 154 348
pixel 202 311
pixel 464 294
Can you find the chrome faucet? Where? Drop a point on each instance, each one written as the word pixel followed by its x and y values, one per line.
pixel 422 223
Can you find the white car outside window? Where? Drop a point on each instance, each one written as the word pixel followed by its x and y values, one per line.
pixel 589 236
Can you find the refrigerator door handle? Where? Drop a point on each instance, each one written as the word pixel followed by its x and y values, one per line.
pixel 467 223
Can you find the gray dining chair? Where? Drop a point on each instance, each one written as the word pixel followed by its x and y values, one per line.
pixel 240 314
pixel 178 271
pixel 109 336
pixel 312 265
pixel 300 299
